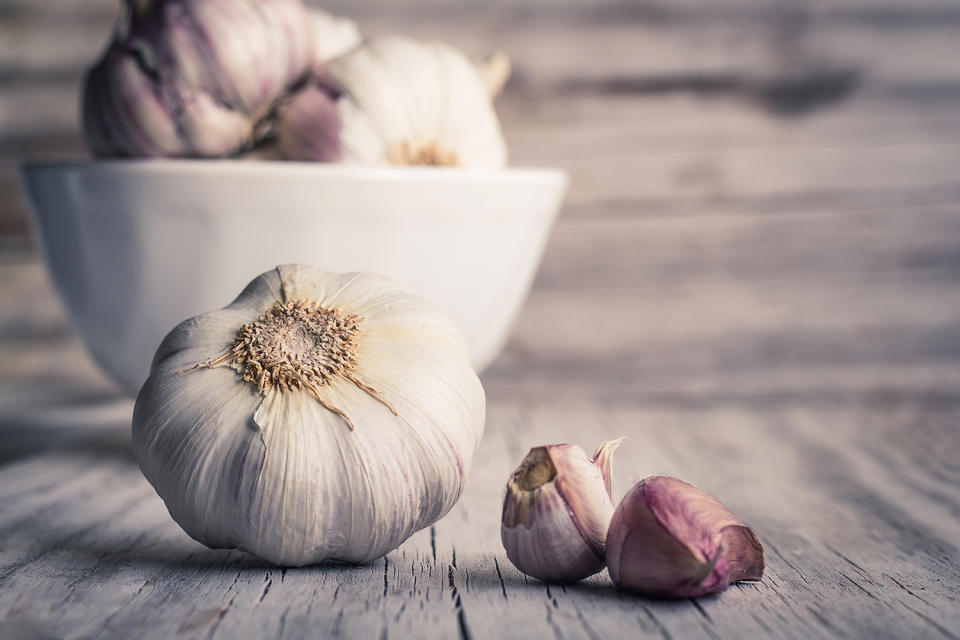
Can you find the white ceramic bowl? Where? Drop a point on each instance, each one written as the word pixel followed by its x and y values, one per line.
pixel 135 247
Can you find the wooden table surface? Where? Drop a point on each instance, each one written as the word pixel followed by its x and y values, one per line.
pixel 755 279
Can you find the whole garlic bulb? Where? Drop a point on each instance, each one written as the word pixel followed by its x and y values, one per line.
pixel 556 511
pixel 319 416
pixel 194 77
pixel 669 538
pixel 396 101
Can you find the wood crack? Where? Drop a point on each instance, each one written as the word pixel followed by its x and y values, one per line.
pixel 700 610
pixel 267 583
pixel 386 565
pixel 458 605
pixel 769 545
pixel 857 585
pixel 503 586
pixel 666 635
pixel 557 632
pixel 904 587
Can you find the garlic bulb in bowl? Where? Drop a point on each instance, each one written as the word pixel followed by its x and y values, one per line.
pixel 396 101
pixel 318 416
pixel 198 78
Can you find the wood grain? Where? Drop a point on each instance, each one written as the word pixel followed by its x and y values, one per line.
pixel 853 547
pixel 755 280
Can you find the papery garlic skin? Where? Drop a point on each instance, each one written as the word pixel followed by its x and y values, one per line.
pixel 556 512
pixel 194 77
pixel 400 102
pixel 327 471
pixel 669 538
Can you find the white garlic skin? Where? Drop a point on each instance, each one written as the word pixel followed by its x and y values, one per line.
pixel 556 531
pixel 194 77
pixel 281 476
pixel 398 101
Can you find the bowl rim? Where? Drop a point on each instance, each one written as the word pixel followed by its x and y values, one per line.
pixel 265 168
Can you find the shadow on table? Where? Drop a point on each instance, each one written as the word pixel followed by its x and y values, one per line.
pixel 175 553
pixel 597 587
pixel 166 550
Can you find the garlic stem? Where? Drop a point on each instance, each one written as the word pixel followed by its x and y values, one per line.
pixel 603 458
pixel 297 345
pixel 495 71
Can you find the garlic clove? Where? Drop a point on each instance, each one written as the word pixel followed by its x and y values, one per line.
pixel 545 543
pixel 669 538
pixel 556 512
pixel 310 126
pixel 212 129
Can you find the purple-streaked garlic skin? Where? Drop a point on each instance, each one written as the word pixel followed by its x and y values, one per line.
pixel 405 102
pixel 193 78
pixel 669 538
pixel 308 126
pixel 555 532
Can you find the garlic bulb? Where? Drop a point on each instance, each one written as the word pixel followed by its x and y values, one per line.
pixel 556 512
pixel 396 101
pixel 194 77
pixel 318 416
pixel 669 538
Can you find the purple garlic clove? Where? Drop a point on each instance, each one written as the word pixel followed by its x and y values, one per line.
pixel 669 538
pixel 556 511
pixel 308 126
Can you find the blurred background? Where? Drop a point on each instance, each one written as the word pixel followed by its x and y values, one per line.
pixel 764 206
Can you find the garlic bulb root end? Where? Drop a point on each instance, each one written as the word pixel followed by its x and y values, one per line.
pixel 297 345
pixel 429 154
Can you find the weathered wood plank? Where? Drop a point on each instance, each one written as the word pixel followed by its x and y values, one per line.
pixel 649 102
pixel 100 555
